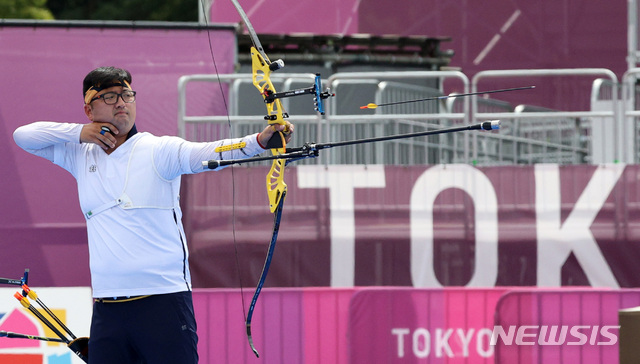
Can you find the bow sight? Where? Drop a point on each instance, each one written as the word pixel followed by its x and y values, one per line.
pixel 315 90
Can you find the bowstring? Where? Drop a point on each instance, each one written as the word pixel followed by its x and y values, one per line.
pixel 233 185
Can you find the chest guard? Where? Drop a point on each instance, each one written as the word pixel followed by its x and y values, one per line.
pixel 143 187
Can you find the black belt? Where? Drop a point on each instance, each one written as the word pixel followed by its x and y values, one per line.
pixel 120 299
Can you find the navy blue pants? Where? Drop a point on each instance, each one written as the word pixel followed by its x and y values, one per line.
pixel 154 330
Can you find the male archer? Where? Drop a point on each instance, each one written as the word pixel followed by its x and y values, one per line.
pixel 128 185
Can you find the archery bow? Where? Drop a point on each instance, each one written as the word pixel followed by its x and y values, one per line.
pixel 262 67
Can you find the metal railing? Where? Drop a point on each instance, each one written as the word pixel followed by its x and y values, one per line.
pixel 630 122
pixel 535 135
pixel 606 133
pixel 352 123
pixel 245 115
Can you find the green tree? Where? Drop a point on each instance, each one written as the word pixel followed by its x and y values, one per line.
pixel 24 9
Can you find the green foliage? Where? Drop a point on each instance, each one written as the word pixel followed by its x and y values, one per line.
pixel 153 10
pixel 25 9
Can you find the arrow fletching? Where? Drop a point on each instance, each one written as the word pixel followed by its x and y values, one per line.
pixel 369 106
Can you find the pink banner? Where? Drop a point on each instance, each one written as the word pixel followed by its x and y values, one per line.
pixel 289 325
pixel 422 326
pixel 341 326
pixel 406 325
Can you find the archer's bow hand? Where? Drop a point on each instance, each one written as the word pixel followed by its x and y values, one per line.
pixel 266 136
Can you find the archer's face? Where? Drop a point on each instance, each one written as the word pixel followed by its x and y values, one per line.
pixel 121 114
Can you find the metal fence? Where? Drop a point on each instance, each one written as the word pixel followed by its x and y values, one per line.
pixel 606 132
pixel 532 134
pixel 630 118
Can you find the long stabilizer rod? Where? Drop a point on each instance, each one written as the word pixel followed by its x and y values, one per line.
pixel 312 149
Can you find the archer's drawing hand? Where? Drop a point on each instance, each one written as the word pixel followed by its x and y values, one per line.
pixel 97 134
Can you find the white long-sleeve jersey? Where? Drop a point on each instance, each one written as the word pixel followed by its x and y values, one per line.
pixel 130 199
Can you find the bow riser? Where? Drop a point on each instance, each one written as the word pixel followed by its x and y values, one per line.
pixel 276 188
pixel 261 69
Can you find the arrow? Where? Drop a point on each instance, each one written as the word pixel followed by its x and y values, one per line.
pixel 32 294
pixel 373 106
